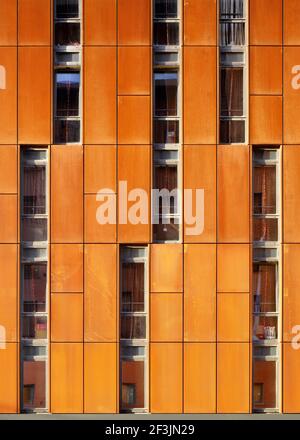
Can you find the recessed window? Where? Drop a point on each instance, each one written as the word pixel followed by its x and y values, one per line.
pixel 34 385
pixel 166 8
pixel 34 287
pixel 66 9
pixel 67 34
pixel 132 385
pixel 264 384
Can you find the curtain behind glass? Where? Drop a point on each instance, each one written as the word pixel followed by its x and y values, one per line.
pixel 166 178
pixel 232 8
pixel 265 190
pixel 133 287
pixel 232 91
pixel 34 190
pixel 264 288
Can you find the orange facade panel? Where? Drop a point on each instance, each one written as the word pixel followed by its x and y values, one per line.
pixel 134 120
pixel 8 169
pixel 9 379
pixel 266 120
pixel 266 70
pixel 166 268
pixel 291 193
pixel 166 378
pixel 100 22
pixel 8 95
pixel 66 378
pixel 203 158
pixel 291 22
pixel 233 194
pixel 100 293
pixel 99 168
pixel 66 268
pixel 291 384
pixel 67 194
pixel 100 378
pixel 200 24
pixel 9 216
pixel 200 292
pixel 233 378
pixel 134 168
pixel 34 22
pixel 200 374
pixel 200 103
pixel 233 317
pixel 9 291
pixel 265 31
pixel 96 228
pixel 291 95
pixel 233 262
pixel 291 285
pixel 8 22
pixel 100 95
pixel 134 70
pixel 34 95
pixel 67 317
pixel 134 22
pixel 166 317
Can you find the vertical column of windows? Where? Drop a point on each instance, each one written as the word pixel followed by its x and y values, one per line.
pixel 67 75
pixel 266 279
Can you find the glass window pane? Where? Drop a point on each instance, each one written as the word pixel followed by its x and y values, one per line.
pixel 67 9
pixel 264 327
pixel 166 90
pixel 33 350
pixel 166 132
pixel 133 327
pixel 232 34
pixel 67 34
pixel 166 34
pixel 133 385
pixel 165 58
pixel 132 350
pixel 67 131
pixel 261 350
pixel 264 183
pixel 263 253
pixel 230 9
pixel 264 384
pixel 34 327
pixel 232 132
pixel 166 8
pixel 260 154
pixel 232 91
pixel 166 178
pixel 34 384
pixel 34 190
pixel 34 229
pixel 232 57
pixel 133 287
pixel 67 57
pixel 34 287
pixel 34 253
pixel 265 229
pixel 67 94
pixel 166 232
pixel 133 252
pixel 264 288
pixel 30 155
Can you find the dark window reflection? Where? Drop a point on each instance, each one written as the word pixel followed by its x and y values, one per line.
pixel 34 229
pixel 232 132
pixel 133 287
pixel 232 91
pixel 67 34
pixel 166 34
pixel 166 93
pixel 264 287
pixel 34 327
pixel 67 94
pixel 133 327
pixel 67 9
pixel 166 8
pixel 67 131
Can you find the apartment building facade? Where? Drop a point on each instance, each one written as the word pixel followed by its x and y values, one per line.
pixel 147 316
